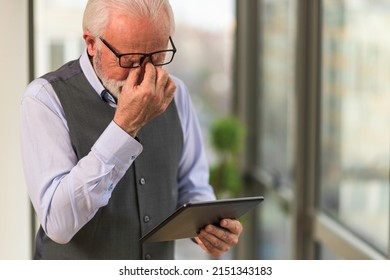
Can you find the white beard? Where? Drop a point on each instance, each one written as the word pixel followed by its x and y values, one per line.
pixel 113 86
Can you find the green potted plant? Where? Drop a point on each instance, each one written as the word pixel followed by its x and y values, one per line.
pixel 227 139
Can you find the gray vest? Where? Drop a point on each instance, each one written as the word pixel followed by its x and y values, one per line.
pixel 146 194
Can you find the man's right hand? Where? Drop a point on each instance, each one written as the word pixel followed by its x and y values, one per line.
pixel 141 102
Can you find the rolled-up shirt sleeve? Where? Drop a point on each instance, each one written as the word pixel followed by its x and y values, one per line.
pixel 66 192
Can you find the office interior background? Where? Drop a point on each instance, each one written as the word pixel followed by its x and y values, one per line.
pixel 308 79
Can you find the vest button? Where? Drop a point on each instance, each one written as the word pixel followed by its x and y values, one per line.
pixel 146 219
pixel 148 257
pixel 142 181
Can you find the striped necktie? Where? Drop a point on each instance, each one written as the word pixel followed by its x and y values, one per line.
pixel 108 97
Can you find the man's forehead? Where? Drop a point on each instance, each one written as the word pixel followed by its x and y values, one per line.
pixel 125 21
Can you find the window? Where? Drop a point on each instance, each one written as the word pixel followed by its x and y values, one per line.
pixel 277 68
pixel 56 54
pixel 355 116
pixel 322 124
pixel 204 58
pixel 276 120
pixel 58 33
pixel 275 231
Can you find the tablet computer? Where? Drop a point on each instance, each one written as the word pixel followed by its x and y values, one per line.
pixel 190 218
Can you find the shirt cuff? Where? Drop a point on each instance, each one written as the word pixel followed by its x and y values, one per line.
pixel 117 147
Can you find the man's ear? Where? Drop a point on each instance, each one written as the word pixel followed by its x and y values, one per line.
pixel 90 42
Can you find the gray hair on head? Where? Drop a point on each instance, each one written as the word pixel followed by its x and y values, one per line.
pixel 97 12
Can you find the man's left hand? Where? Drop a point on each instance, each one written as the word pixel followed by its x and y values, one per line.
pixel 218 240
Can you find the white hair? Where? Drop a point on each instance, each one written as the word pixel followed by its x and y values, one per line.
pixel 97 12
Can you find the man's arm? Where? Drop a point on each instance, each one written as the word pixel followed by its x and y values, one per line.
pixel 66 193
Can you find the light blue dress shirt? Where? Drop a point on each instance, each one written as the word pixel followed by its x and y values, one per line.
pixel 66 192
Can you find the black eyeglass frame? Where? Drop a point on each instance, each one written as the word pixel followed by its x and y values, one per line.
pixel 144 55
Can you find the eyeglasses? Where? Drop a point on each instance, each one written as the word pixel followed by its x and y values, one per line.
pixel 135 60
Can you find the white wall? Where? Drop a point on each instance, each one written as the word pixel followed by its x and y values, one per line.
pixel 14 203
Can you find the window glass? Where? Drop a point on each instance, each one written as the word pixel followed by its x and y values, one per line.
pixel 58 33
pixel 277 67
pixel 204 56
pixel 275 231
pixel 355 118
pixel 325 253
pixel 56 55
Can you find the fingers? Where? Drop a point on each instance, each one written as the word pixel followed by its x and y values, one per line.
pixel 200 243
pixel 218 240
pixel 165 88
pixel 133 77
pixel 149 77
pixel 217 236
pixel 214 245
pixel 147 93
pixel 233 226
pixel 169 90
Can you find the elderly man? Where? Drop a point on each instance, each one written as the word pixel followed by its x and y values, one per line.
pixel 111 144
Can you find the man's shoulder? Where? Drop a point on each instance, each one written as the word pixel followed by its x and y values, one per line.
pixel 42 84
pixel 65 72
